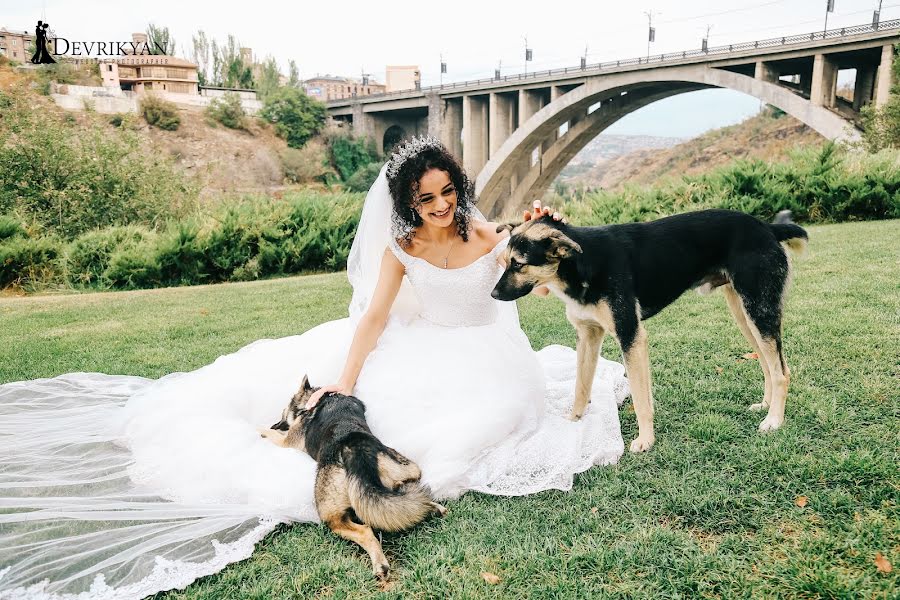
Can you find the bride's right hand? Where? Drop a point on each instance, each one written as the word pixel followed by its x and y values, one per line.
pixel 335 387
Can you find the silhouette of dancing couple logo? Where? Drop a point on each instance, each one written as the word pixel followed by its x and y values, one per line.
pixel 41 53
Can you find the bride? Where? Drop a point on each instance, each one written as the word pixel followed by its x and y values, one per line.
pixel 121 486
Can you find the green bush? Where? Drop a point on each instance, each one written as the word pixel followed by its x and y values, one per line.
pixel 826 185
pixel 364 177
pixel 159 113
pixel 88 257
pixel 228 111
pixel 27 261
pixel 349 154
pixel 296 116
pixel 69 179
pixel 132 267
pixel 179 256
pixel 10 227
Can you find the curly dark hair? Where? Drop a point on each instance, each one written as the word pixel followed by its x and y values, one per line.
pixel 404 188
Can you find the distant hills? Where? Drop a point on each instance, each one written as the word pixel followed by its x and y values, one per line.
pixel 610 161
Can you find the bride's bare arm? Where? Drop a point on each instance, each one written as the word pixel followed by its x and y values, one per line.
pixel 369 328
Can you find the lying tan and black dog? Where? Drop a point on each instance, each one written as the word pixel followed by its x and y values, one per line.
pixel 360 483
pixel 613 277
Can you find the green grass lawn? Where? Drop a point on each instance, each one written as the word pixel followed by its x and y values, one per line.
pixel 710 512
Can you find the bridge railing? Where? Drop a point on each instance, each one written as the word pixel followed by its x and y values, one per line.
pixel 668 57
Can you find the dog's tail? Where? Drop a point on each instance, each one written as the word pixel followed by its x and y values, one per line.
pixel 379 494
pixel 785 230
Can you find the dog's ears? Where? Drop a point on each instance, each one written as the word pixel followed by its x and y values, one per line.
pixel 304 385
pixel 562 246
pixel 506 227
pixel 281 425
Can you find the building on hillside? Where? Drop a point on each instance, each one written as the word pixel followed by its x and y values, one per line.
pixel 14 44
pixel 149 72
pixel 399 78
pixel 327 87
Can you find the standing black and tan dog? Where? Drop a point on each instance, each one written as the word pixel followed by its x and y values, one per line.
pixel 613 277
pixel 360 482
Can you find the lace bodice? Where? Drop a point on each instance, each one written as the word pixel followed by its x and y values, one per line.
pixel 455 297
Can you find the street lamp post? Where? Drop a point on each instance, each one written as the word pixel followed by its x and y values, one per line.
pixel 651 33
pixel 527 54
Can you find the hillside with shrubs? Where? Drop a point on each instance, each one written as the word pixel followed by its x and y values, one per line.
pixel 96 202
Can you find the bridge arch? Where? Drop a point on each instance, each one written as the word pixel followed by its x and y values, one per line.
pixel 531 158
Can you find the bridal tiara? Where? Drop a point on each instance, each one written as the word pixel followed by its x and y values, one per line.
pixel 409 149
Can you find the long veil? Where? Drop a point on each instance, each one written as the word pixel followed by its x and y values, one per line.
pixel 75 514
pixel 77 517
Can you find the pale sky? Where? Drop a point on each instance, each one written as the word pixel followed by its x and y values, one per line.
pixel 351 37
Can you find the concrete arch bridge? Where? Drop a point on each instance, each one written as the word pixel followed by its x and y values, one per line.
pixel 518 132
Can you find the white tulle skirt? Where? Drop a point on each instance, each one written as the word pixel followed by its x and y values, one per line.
pixel 119 487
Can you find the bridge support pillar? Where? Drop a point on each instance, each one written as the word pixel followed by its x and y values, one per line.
pixel 364 124
pixel 475 133
pixel 865 86
pixel 502 120
pixel 529 103
pixel 883 78
pixel 765 72
pixel 824 81
pixel 452 126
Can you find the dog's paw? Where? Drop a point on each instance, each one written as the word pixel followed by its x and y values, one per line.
pixel 642 443
pixel 758 407
pixel 439 509
pixel 770 423
pixel 575 415
pixel 382 571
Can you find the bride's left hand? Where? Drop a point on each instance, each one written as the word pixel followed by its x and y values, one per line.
pixel 541 211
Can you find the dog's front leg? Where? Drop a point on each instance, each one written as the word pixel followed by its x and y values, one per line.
pixel 276 437
pixel 637 364
pixel 590 339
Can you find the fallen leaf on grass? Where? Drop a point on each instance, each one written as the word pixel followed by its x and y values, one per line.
pixel 801 501
pixel 386 586
pixel 720 370
pixel 490 578
pixel 882 564
pixel 750 356
pixel 204 312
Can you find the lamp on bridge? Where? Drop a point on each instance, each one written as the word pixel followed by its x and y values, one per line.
pixel 876 16
pixel 443 69
pixel 528 55
pixel 829 8
pixel 651 34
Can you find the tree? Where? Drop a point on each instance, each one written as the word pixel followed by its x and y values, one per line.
pixel 200 55
pixel 159 37
pixel 294 77
pixel 268 78
pixel 296 116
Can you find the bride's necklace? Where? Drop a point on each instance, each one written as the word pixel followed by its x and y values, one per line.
pixel 449 250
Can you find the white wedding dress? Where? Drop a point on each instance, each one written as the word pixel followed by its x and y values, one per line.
pixel 119 487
